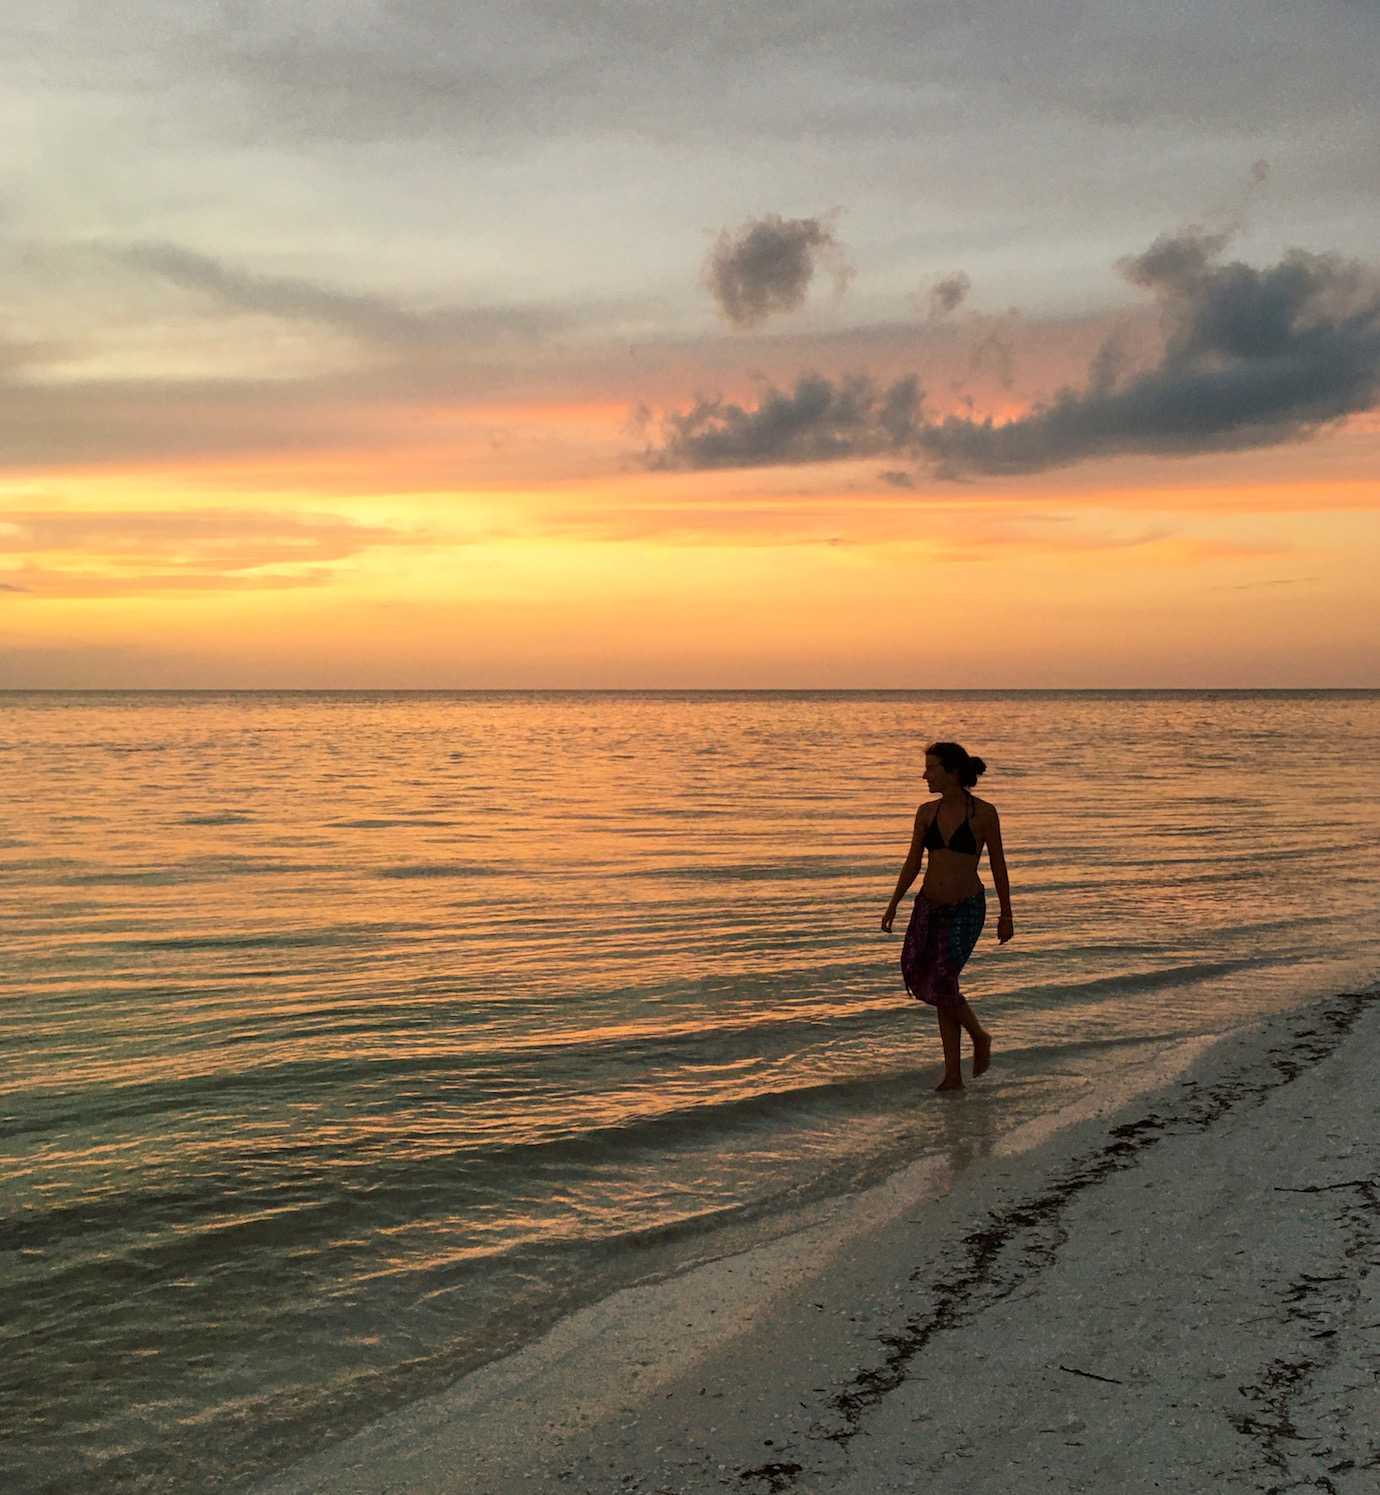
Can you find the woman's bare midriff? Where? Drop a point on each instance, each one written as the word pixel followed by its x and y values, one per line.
pixel 950 877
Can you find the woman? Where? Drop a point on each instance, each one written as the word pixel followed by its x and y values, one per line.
pixel 951 906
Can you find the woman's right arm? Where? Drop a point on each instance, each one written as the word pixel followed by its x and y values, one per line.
pixel 909 867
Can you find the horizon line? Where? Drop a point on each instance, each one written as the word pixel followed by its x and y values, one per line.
pixel 679 690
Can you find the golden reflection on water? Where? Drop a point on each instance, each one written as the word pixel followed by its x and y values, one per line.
pixel 383 1021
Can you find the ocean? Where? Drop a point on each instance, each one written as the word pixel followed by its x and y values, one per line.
pixel 351 1039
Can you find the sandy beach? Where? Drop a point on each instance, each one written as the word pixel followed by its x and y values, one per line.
pixel 1176 1288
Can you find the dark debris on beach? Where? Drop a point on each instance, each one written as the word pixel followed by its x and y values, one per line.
pixel 1021 1240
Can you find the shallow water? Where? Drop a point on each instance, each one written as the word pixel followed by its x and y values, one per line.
pixel 350 1038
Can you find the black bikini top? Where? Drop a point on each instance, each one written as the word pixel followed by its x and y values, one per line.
pixel 962 840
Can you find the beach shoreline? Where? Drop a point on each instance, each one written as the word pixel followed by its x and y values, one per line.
pixel 963 1321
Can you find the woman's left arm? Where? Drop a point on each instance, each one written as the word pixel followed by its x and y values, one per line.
pixel 996 859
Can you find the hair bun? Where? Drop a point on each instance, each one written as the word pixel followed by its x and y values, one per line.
pixel 958 761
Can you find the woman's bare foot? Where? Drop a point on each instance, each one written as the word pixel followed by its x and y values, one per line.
pixel 982 1053
pixel 950 1082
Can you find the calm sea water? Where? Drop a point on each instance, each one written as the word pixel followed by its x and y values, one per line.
pixel 350 1039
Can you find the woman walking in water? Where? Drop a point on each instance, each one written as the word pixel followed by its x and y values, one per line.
pixel 951 906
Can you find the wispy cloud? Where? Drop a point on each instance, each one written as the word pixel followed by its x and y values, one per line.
pixel 208 550
pixel 733 523
pixel 1057 536
pixel 41 582
pixel 373 319
pixel 1273 581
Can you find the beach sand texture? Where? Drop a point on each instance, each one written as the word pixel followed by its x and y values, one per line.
pixel 1179 1291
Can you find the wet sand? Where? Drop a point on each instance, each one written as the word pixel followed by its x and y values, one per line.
pixel 1176 1289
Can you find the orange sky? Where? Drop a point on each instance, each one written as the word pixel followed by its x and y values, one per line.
pixel 373 567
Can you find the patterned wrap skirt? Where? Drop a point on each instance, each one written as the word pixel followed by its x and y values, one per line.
pixel 938 942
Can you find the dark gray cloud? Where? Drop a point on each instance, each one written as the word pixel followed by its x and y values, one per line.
pixel 1251 357
pixel 767 266
pixel 373 319
pixel 1176 263
pixel 948 294
pixel 818 421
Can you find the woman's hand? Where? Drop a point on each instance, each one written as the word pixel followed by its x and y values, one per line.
pixel 1005 929
pixel 888 916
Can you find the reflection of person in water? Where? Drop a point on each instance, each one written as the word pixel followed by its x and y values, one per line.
pixel 951 907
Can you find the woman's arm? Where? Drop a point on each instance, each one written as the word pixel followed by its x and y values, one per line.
pixel 996 858
pixel 911 865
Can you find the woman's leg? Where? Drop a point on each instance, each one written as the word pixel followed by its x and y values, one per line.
pixel 968 1020
pixel 982 1039
pixel 950 1033
pixel 962 935
pixel 952 1022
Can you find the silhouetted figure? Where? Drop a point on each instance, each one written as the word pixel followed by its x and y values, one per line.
pixel 951 906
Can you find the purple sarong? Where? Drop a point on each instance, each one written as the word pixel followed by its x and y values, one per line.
pixel 939 939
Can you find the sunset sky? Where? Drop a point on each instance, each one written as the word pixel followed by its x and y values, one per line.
pixel 618 344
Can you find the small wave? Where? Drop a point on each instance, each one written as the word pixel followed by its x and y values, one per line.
pixel 383 824
pixel 783 871
pixel 441 869
pixel 198 869
pixel 778 1105
pixel 442 1180
pixel 1056 994
pixel 226 817
pixel 297 939
pixel 122 875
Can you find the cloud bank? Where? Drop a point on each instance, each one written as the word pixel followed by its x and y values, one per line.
pixel 1250 358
